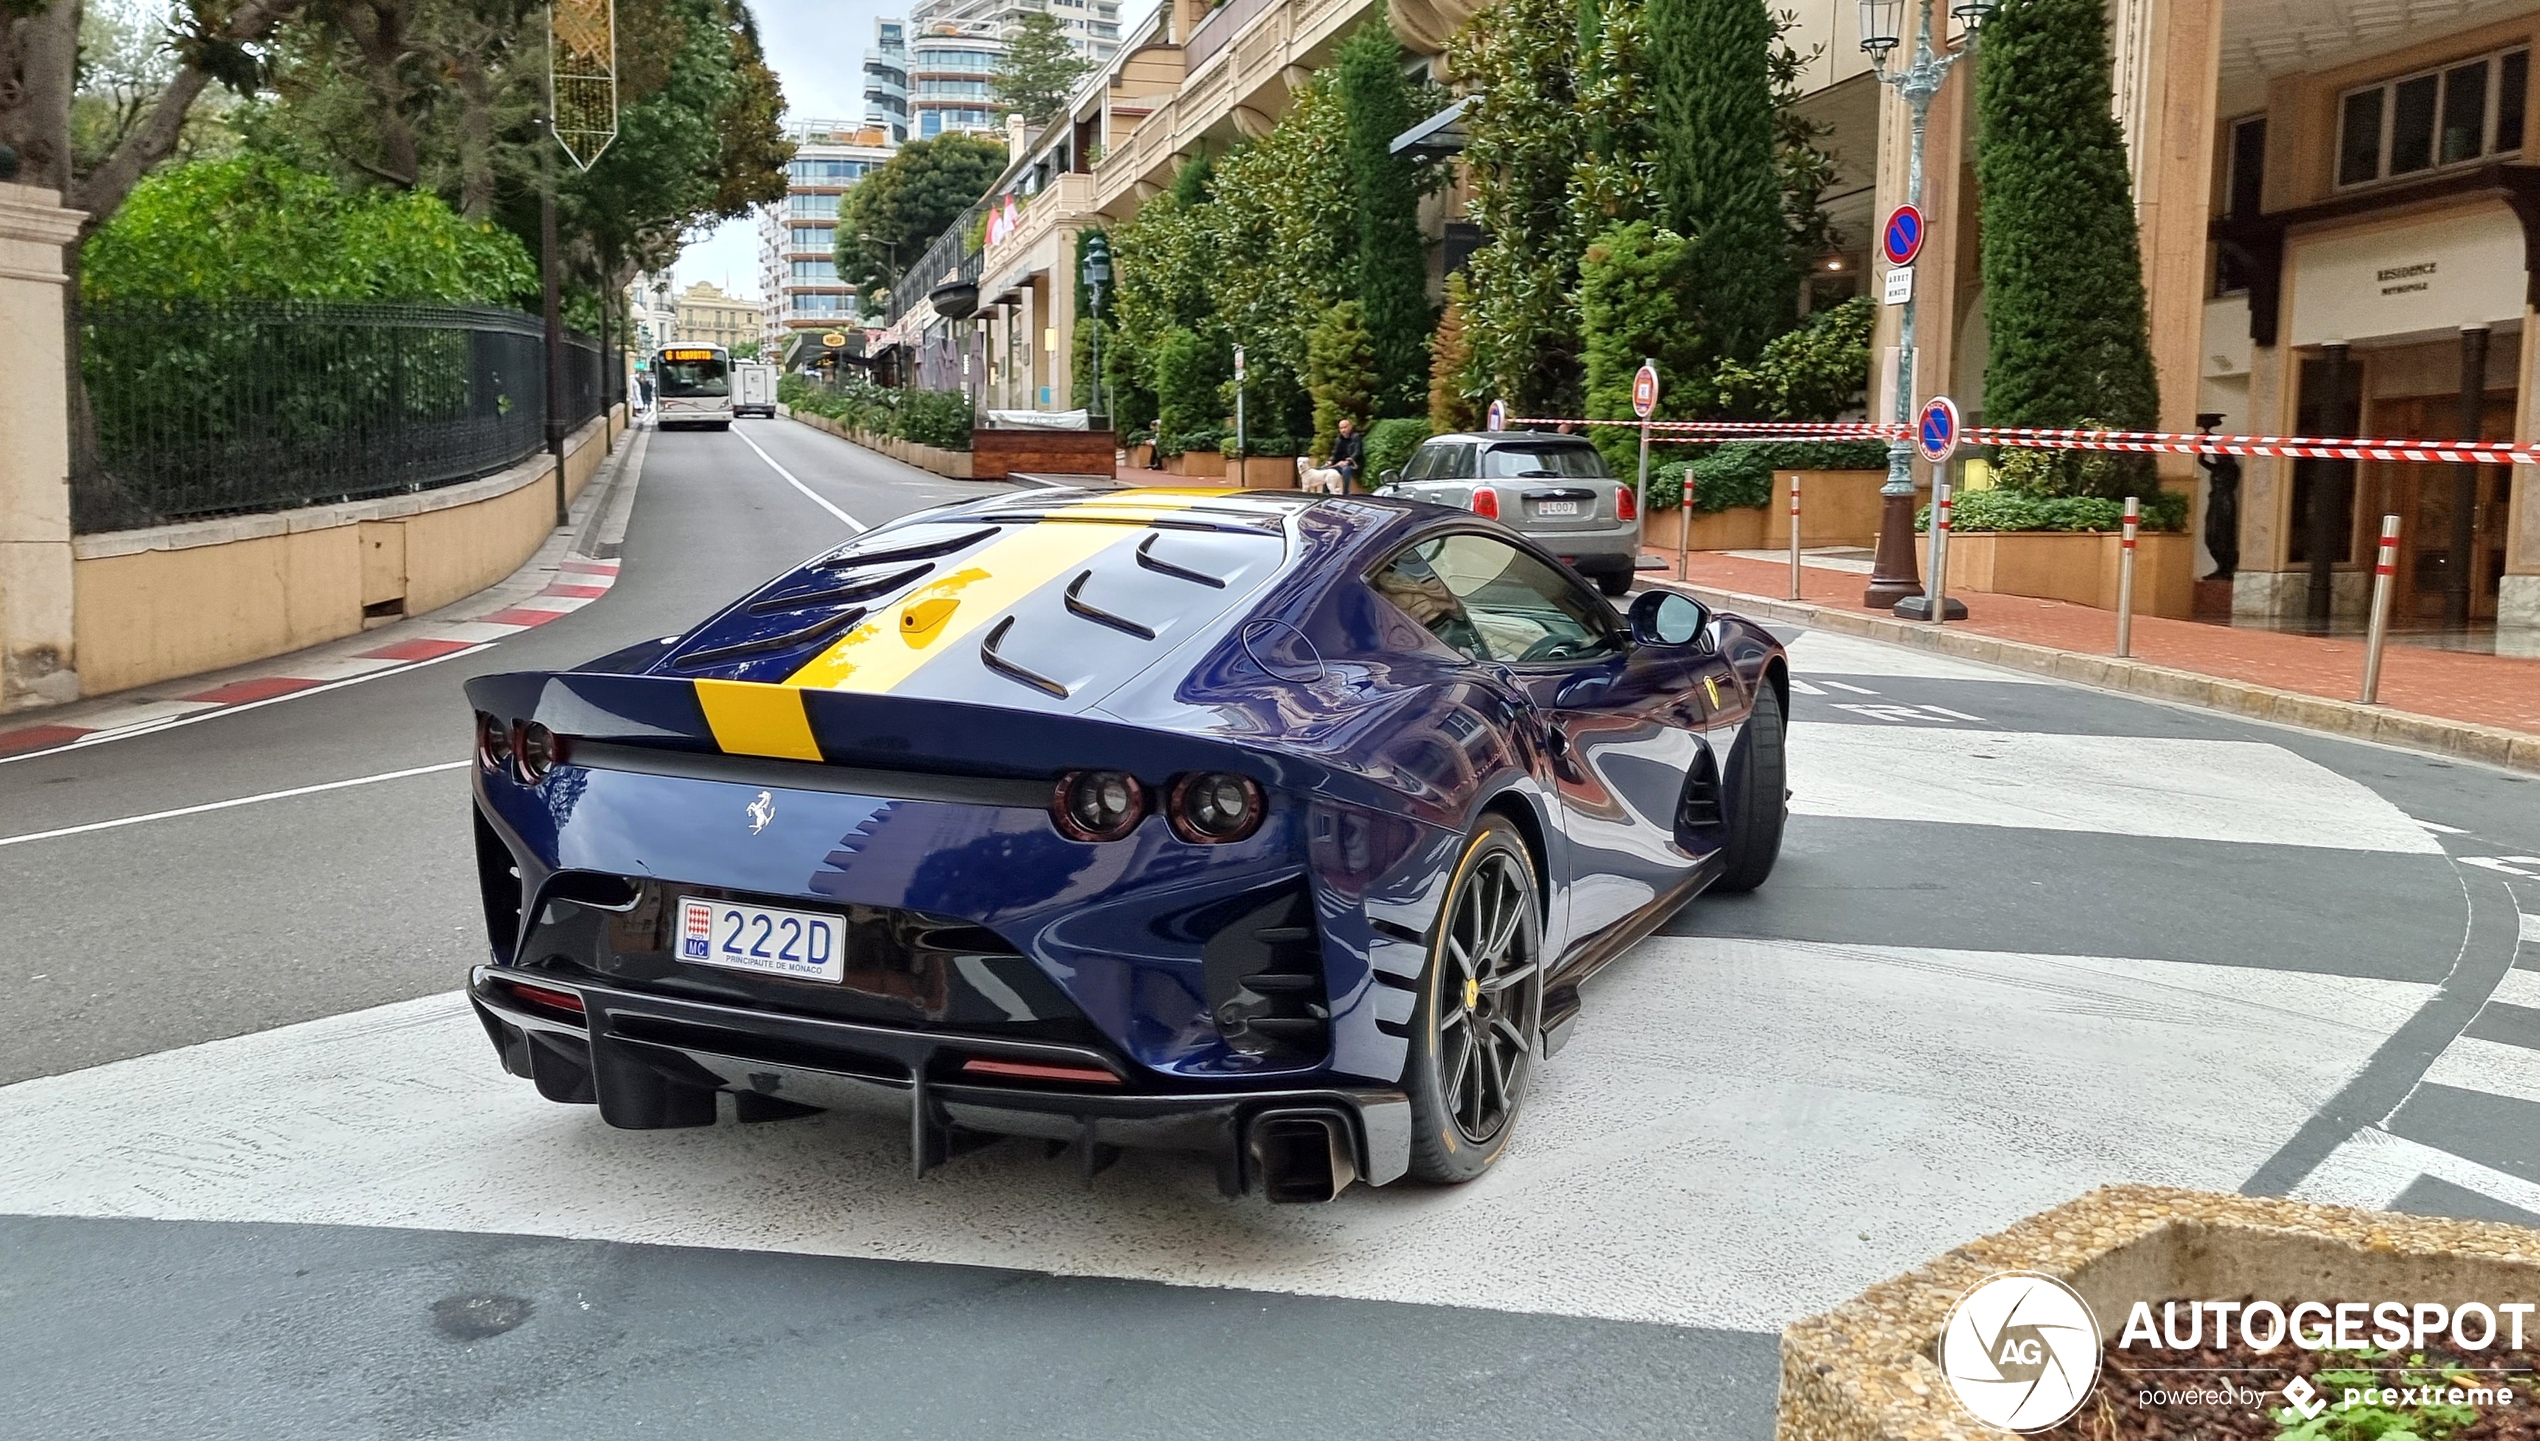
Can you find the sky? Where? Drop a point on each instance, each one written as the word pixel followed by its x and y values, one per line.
pixel 817 49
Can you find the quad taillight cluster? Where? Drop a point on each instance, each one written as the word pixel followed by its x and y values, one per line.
pixel 526 749
pixel 1203 807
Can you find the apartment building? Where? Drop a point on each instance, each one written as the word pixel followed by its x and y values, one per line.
pixel 931 73
pixel 798 267
pixel 710 317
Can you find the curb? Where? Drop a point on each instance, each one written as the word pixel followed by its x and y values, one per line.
pixel 2353 720
pixel 569 570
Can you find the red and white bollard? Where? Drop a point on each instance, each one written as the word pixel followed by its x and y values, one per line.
pixel 2384 567
pixel 1794 535
pixel 2125 576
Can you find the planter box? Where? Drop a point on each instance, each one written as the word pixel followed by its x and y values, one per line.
pixel 1196 465
pixel 952 464
pixel 2076 566
pixel 1864 1371
pixel 996 454
pixel 1263 472
pixel 1836 508
pixel 1140 456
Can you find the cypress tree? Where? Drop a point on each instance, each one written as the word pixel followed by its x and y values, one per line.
pixel 1393 272
pixel 2062 265
pixel 1718 183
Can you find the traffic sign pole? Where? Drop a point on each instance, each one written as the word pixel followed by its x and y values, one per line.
pixel 1936 433
pixel 1644 405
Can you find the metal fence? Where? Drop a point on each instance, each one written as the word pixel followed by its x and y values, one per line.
pixel 205 409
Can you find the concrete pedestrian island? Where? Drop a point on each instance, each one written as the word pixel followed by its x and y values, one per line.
pixel 1864 1371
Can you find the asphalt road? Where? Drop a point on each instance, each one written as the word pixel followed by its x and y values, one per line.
pixel 259 1174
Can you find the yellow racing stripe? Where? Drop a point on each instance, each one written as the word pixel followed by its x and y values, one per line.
pixel 757 720
pixel 882 653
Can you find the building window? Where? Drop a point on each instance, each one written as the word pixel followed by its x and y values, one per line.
pixel 930 123
pixel 816 270
pixel 2455 115
pixel 826 172
pixel 806 303
pixel 965 89
pixel 812 207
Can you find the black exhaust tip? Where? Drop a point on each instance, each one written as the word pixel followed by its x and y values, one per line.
pixel 1303 1156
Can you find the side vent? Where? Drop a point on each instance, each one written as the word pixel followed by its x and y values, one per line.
pixel 498 882
pixel 1699 809
pixel 1265 982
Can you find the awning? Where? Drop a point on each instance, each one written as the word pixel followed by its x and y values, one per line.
pixel 1437 137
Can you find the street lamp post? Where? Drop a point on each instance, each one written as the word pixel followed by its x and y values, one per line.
pixel 1097 274
pixel 1892 575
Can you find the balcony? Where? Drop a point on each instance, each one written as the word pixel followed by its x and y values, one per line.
pixel 1070 198
pixel 1244 60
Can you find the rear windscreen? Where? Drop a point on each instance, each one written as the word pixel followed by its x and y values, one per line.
pixel 1569 462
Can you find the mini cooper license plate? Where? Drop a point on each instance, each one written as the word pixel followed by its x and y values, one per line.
pixel 795 944
pixel 1556 507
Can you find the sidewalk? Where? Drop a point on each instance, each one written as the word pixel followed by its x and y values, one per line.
pixel 2480 706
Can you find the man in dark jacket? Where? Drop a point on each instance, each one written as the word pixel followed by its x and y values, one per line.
pixel 1348 451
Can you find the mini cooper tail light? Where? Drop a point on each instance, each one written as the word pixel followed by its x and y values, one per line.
pixel 493 743
pixel 541 750
pixel 1213 807
pixel 1486 501
pixel 1626 504
pixel 1097 805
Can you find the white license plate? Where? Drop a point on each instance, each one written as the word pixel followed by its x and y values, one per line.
pixel 794 944
pixel 1556 507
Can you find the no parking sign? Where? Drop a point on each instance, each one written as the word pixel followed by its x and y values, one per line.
pixel 1936 434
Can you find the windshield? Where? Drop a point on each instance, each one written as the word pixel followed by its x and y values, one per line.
pixel 1570 462
pixel 691 377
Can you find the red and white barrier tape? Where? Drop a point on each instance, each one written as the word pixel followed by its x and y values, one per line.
pixel 2441 452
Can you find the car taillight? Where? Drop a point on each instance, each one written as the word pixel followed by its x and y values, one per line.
pixel 493 743
pixel 1212 807
pixel 1626 505
pixel 1097 805
pixel 541 750
pixel 1039 1071
pixel 546 996
pixel 1486 501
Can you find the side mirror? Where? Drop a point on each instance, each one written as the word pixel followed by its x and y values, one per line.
pixel 1667 617
pixel 1390 476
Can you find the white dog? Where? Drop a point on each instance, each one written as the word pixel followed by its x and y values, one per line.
pixel 1319 481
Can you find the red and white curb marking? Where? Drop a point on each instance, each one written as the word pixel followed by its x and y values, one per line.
pixel 578 582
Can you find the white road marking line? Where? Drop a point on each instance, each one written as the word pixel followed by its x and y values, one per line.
pixel 123 821
pixel 816 498
pixel 2531 928
pixel 2163 787
pixel 1922 1096
pixel 1822 652
pixel 2471 1064
pixel 230 710
pixel 2520 987
pixel 2441 829
pixel 1842 685
pixel 1801 687
pixel 1953 714
pixel 2373 1167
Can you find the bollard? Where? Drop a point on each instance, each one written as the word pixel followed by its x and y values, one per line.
pixel 1794 535
pixel 2125 577
pixel 1937 590
pixel 2384 566
pixel 1684 527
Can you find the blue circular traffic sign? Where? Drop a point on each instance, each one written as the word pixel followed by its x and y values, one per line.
pixel 1902 239
pixel 1936 434
pixel 1498 418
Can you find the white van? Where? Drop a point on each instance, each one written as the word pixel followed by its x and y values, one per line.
pixel 754 388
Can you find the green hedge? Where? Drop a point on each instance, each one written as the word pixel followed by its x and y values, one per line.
pixel 940 418
pixel 1389 444
pixel 1740 473
pixel 1999 509
pixel 1256 444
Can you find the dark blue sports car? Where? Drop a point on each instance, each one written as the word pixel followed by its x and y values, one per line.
pixel 1275 826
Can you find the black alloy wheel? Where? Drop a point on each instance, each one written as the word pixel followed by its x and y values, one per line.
pixel 1479 1012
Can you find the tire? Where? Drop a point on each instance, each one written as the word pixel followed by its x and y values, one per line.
pixel 1465 1101
pixel 1758 798
pixel 1614 582
pixel 723 425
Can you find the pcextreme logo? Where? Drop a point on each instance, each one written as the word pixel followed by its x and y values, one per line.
pixel 2021 1351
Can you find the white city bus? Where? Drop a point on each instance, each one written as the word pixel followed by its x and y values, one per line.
pixel 692 385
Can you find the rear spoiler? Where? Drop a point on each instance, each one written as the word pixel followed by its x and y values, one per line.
pixel 880 732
